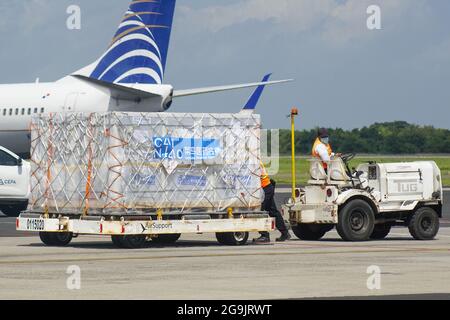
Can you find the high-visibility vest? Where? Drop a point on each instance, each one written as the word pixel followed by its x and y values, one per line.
pixel 316 155
pixel 265 179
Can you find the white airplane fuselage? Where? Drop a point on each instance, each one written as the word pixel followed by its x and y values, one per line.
pixel 19 102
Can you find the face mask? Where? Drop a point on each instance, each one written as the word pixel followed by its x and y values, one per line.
pixel 325 140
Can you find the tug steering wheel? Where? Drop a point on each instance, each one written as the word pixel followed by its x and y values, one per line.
pixel 346 157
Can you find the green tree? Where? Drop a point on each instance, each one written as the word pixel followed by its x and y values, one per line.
pixel 398 137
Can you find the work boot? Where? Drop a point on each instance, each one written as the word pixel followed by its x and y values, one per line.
pixel 262 239
pixel 284 237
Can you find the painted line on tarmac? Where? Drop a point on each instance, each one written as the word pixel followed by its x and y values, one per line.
pixel 283 190
pixel 407 234
pixel 388 248
pixel 122 258
pixel 289 190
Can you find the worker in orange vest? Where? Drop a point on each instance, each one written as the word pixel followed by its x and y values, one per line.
pixel 270 206
pixel 322 148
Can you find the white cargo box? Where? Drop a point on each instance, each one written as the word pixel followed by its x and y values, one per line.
pixel 138 162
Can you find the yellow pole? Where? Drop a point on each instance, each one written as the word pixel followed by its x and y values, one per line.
pixel 294 112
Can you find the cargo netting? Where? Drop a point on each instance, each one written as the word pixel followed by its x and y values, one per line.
pixel 133 163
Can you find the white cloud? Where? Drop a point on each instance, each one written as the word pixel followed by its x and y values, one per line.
pixel 301 14
pixel 35 13
pixel 434 59
pixel 336 21
pixel 347 21
pixel 24 16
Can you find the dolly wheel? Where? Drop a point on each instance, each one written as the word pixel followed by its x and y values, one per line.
pixel 45 238
pixel 232 238
pixel 134 241
pixel 166 238
pixel 118 241
pixel 56 239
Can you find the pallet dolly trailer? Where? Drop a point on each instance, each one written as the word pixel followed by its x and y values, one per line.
pixel 133 231
pixel 139 176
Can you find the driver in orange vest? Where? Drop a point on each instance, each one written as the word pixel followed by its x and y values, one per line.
pixel 322 148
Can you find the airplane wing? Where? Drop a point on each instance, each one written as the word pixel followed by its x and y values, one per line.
pixel 133 92
pixel 191 92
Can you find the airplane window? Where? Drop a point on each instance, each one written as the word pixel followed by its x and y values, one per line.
pixel 7 160
pixel 4 112
pixel 17 111
pixel 42 110
pixel 29 111
pixel 35 110
pixel 10 112
pixel 23 111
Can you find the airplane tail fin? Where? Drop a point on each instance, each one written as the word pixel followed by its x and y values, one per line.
pixel 138 51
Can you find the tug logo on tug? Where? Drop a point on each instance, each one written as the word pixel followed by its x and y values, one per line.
pixel 407 186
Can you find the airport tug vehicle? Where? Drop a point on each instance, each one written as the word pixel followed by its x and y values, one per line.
pixel 366 202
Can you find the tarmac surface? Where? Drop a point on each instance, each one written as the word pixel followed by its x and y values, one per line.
pixel 197 267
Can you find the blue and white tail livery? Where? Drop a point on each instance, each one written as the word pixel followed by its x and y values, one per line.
pixel 138 51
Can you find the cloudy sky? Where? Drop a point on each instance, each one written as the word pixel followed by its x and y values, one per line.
pixel 346 75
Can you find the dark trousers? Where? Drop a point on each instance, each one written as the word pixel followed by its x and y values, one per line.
pixel 270 206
